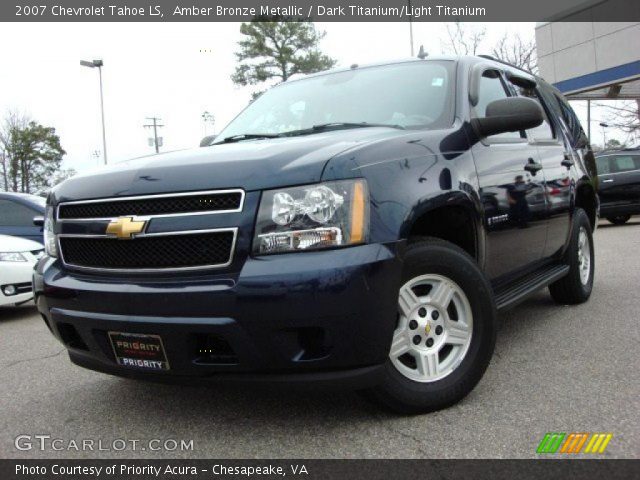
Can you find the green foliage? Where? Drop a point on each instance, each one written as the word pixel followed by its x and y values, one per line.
pixel 274 48
pixel 33 158
pixel 614 144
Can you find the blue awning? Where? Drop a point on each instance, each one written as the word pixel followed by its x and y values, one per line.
pixel 601 78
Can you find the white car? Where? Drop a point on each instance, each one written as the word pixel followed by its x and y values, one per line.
pixel 17 258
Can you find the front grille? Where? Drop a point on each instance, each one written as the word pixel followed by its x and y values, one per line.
pixel 156 205
pixel 211 249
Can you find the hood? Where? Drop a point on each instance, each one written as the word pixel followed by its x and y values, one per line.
pixel 17 244
pixel 250 165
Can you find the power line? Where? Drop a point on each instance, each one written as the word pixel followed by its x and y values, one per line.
pixel 155 125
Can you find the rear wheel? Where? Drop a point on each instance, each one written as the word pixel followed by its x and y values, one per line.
pixel 619 219
pixel 576 286
pixel 445 333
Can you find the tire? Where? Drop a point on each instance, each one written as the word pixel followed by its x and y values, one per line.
pixel 619 219
pixel 576 287
pixel 405 388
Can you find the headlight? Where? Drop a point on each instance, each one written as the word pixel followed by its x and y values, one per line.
pixel 325 215
pixel 12 257
pixel 50 244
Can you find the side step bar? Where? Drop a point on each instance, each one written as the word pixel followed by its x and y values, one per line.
pixel 512 294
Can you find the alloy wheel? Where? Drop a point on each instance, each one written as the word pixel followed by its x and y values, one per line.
pixel 584 256
pixel 434 328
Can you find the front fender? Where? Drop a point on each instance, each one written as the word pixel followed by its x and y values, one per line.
pixel 409 176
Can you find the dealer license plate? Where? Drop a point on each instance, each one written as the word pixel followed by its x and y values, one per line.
pixel 139 350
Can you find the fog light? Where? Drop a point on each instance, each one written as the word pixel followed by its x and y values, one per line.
pixel 9 290
pixel 300 240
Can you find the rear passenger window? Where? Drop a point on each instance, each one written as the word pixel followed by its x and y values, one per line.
pixel 544 131
pixel 491 88
pixel 625 163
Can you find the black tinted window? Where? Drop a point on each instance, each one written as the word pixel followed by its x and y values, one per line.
pixel 544 131
pixel 626 163
pixel 618 163
pixel 13 214
pixel 492 88
pixel 561 107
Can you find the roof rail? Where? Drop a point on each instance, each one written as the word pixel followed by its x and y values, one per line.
pixel 490 57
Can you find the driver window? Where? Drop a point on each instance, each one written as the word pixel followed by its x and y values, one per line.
pixel 544 131
pixel 492 88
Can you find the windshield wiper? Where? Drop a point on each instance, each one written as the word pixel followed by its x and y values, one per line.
pixel 248 136
pixel 325 126
pixel 339 126
pixel 305 131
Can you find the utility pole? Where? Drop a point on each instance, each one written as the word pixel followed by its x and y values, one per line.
pixel 155 125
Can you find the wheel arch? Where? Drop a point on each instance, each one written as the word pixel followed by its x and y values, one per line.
pixel 587 199
pixel 453 217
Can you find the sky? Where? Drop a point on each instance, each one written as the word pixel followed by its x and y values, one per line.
pixel 175 71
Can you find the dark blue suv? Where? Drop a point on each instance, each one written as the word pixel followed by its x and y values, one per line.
pixel 357 227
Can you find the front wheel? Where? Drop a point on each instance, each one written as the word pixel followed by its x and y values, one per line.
pixel 619 219
pixel 445 333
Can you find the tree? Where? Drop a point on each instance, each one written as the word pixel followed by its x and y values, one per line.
pixel 516 51
pixel 463 39
pixel 466 39
pixel 33 156
pixel 624 115
pixel 275 49
pixel 614 144
pixel 12 120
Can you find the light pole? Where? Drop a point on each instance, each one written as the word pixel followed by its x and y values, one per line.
pixel 410 28
pixel 604 134
pixel 99 64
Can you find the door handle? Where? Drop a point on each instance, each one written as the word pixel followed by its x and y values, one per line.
pixel 533 167
pixel 567 161
pixel 608 180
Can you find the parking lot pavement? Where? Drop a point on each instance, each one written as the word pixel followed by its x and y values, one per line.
pixel 556 368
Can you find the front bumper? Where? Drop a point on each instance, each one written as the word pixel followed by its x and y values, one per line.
pixel 19 275
pixel 15 299
pixel 315 317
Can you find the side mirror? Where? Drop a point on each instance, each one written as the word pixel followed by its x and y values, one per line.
pixel 38 221
pixel 511 114
pixel 208 140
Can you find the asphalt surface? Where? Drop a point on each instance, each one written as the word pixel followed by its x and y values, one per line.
pixel 556 368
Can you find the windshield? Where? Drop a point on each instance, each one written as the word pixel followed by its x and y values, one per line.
pixel 39 201
pixel 409 95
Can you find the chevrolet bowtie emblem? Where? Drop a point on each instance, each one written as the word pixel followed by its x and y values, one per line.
pixel 125 227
